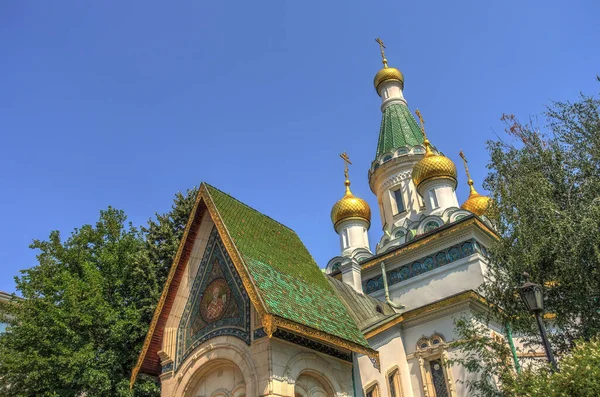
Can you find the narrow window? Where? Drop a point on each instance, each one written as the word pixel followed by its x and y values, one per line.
pixel 433 199
pixel 438 378
pixel 345 242
pixel 399 202
pixel 394 383
pixel 372 392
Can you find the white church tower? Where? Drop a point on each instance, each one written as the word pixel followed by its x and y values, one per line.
pixel 410 178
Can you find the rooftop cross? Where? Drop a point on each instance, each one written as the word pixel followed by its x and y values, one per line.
pixel 464 158
pixel 420 116
pixel 347 161
pixel 382 48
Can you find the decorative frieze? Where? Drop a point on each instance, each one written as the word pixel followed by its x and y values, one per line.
pixel 305 342
pixel 425 264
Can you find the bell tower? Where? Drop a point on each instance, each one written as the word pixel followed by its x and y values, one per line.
pixel 399 148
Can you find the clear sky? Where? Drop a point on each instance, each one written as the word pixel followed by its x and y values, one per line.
pixel 124 103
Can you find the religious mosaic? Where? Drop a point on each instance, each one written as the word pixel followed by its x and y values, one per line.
pixel 218 303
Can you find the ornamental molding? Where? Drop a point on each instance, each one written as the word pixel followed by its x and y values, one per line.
pixel 393 180
pixel 427 241
pixel 413 255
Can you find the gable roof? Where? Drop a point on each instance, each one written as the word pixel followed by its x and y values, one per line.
pixel 282 279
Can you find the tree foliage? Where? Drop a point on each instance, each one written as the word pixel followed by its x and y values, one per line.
pixel 87 305
pixel 546 189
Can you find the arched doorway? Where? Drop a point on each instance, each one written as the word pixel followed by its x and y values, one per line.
pixel 309 384
pixel 218 379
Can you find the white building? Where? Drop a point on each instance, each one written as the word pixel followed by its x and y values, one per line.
pixel 247 312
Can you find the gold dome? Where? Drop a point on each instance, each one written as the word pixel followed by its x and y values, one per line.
pixel 350 207
pixel 476 203
pixel 433 166
pixel 385 74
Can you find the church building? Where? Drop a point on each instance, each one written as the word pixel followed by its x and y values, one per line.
pixel 246 310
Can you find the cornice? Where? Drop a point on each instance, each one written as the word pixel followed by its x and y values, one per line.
pixel 411 246
pixel 469 296
pixel 272 323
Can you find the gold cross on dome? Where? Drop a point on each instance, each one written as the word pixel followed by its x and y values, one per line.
pixel 382 48
pixel 347 161
pixel 420 116
pixel 464 158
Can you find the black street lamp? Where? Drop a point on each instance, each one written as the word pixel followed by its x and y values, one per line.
pixel 533 297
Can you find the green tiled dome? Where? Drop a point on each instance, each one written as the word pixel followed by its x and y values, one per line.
pixel 398 128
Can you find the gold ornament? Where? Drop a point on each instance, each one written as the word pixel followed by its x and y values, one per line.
pixel 476 203
pixel 350 206
pixel 432 166
pixel 386 73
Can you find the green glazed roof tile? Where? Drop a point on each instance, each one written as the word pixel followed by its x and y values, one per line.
pixel 288 278
pixel 398 128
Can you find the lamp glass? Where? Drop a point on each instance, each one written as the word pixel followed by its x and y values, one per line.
pixel 533 297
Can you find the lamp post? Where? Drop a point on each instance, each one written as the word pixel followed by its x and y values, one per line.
pixel 533 297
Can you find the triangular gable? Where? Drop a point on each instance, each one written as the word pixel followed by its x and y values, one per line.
pixel 217 304
pixel 281 278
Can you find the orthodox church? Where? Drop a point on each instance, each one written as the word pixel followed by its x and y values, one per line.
pixel 246 311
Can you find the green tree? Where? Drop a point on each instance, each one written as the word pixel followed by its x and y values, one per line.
pixel 579 375
pixel 546 190
pixel 87 306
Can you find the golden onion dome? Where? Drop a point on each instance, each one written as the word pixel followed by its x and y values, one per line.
pixel 476 203
pixel 350 207
pixel 386 74
pixel 433 166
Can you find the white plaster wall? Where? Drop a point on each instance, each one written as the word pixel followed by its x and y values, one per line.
pixel 444 192
pixel 357 235
pixel 390 92
pixel 392 356
pixel 441 324
pixel 390 177
pixel 453 278
pixel 289 361
pixel 252 361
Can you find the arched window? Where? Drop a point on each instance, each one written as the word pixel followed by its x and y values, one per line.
pixel 400 234
pixel 436 340
pixel 431 225
pixel 372 391
pixel 423 343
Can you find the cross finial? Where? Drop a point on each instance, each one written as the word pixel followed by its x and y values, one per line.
pixel 469 180
pixel 347 161
pixel 422 122
pixel 382 48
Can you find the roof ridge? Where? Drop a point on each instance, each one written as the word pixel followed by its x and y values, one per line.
pixel 246 205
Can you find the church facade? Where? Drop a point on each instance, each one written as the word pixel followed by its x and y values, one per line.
pixel 246 311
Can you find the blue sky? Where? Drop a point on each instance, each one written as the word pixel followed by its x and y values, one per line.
pixel 126 103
